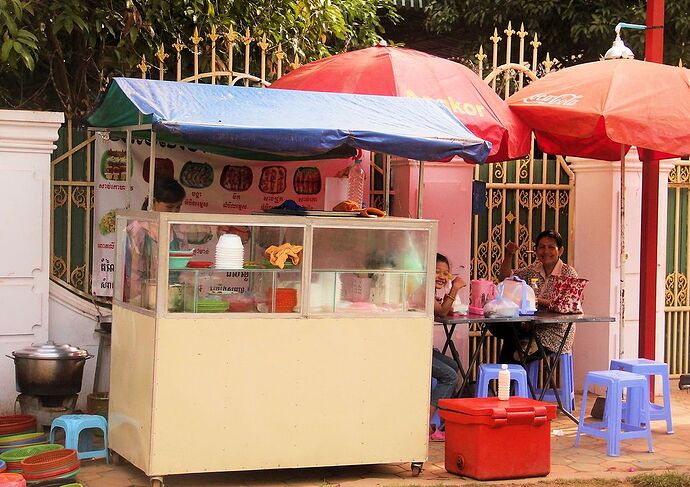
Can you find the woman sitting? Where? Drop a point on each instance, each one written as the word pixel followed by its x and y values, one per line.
pixel 443 368
pixel 549 249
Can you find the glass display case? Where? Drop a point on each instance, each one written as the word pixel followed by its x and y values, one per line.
pixel 246 325
pixel 283 265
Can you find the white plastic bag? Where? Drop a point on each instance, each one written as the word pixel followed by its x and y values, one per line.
pixel 501 307
pixel 520 293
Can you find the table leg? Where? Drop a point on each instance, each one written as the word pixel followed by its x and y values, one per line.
pixel 453 350
pixel 474 359
pixel 523 357
pixel 550 380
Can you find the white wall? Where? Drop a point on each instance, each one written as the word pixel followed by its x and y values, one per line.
pixel 596 257
pixel 26 142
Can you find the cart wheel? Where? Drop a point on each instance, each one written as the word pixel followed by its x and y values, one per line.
pixel 115 458
pixel 157 482
pixel 416 469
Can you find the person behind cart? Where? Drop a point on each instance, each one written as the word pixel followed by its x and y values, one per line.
pixel 443 368
pixel 142 240
pixel 549 249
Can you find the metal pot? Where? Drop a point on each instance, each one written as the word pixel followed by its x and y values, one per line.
pixel 48 369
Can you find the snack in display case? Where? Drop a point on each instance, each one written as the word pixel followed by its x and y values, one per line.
pixel 236 178
pixel 196 175
pixel 164 167
pixel 273 179
pixel 278 255
pixel 307 180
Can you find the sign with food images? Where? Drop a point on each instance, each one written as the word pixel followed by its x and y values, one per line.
pixel 213 183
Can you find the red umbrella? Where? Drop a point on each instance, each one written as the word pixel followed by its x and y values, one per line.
pixel 394 71
pixel 600 109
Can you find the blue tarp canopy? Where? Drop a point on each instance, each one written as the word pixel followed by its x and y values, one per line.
pixel 260 124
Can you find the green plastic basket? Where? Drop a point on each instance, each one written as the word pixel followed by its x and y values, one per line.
pixel 19 454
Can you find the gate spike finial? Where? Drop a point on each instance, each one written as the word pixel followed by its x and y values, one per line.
pixel 509 31
pixel 213 36
pixel 195 38
pixel 495 38
pixel 522 33
pixel 535 43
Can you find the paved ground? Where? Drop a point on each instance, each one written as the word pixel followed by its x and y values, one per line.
pixel 671 453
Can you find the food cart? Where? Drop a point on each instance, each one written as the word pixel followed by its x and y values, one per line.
pixel 341 378
pixel 263 364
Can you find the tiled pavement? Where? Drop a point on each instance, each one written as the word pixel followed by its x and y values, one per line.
pixel 671 453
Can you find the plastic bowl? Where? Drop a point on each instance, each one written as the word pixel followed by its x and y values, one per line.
pixel 178 262
pixel 181 253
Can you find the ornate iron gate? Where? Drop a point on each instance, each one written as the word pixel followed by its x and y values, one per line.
pixel 677 299
pixel 524 196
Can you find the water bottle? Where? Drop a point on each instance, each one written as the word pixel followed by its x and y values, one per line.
pixel 355 183
pixel 504 383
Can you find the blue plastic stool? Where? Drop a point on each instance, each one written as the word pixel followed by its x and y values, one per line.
pixel 488 372
pixel 613 428
pixel 567 390
pixel 650 368
pixel 73 425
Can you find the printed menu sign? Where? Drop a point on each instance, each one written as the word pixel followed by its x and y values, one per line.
pixel 213 183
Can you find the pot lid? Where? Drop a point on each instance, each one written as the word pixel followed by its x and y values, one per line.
pixel 50 350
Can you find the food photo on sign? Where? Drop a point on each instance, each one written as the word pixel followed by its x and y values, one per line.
pixel 213 184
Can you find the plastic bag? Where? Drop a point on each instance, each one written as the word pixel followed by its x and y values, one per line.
pixel 501 307
pixel 520 293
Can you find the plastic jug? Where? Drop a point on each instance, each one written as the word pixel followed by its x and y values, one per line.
pixel 504 383
pixel 481 292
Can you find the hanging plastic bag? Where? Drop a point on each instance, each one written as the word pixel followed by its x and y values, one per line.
pixel 501 307
pixel 520 293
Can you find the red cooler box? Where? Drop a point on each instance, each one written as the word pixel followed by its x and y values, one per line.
pixel 488 439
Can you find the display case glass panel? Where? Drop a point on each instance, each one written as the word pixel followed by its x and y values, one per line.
pixel 140 270
pixel 235 268
pixel 368 270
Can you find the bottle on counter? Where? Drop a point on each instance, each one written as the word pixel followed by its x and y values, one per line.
pixel 355 183
pixel 504 383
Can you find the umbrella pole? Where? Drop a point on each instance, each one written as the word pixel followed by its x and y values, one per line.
pixel 420 189
pixel 621 317
pixel 387 184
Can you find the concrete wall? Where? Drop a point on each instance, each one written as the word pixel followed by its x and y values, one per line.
pixel 26 142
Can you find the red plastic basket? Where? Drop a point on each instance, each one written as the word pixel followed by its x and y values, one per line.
pixel 17 423
pixel 48 461
pixel 61 472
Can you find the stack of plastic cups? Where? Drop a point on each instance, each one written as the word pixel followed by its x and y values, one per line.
pixel 229 252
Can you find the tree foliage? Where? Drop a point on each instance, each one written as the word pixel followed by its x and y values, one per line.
pixel 60 54
pixel 572 30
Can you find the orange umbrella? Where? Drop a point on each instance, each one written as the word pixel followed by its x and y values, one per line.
pixel 600 109
pixel 591 109
pixel 395 71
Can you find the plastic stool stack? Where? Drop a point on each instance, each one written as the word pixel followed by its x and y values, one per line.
pixel 567 390
pixel 649 368
pixel 488 372
pixel 613 428
pixel 73 425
